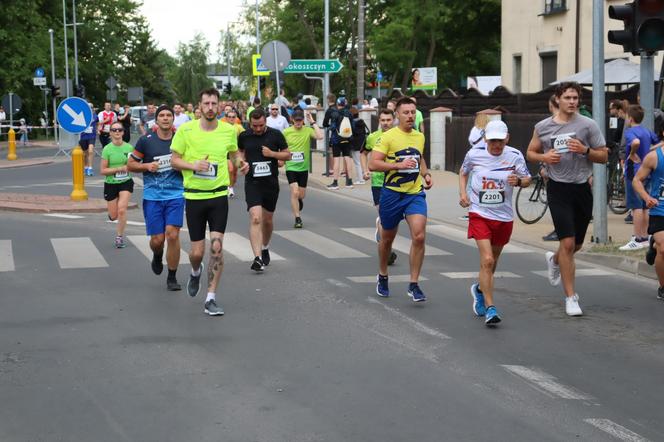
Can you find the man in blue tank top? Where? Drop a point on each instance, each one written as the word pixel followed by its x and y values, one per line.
pixel 652 168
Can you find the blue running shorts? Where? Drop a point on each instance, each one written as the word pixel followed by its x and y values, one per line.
pixel 395 206
pixel 159 214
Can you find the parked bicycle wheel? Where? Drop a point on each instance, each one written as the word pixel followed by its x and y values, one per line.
pixel 616 191
pixel 531 201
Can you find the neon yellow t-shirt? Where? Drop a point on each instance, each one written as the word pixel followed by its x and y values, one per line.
pixel 193 144
pixel 397 146
pixel 299 145
pixel 377 178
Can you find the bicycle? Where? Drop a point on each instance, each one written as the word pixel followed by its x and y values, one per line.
pixel 615 188
pixel 531 201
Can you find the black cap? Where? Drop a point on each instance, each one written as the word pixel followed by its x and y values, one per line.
pixel 298 115
pixel 164 107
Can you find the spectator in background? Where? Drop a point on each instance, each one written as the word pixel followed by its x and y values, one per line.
pixel 341 146
pixel 357 141
pixel 476 136
pixel 148 119
pixel 276 120
pixel 87 143
pixel 23 131
pixel 124 117
pixel 254 104
pixel 419 118
pixel 281 100
pixel 106 118
pixel 616 126
pixel 373 102
pixel 180 117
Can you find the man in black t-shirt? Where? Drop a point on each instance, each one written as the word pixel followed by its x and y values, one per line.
pixel 262 147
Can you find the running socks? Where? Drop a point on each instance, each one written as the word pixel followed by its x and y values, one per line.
pixel 209 296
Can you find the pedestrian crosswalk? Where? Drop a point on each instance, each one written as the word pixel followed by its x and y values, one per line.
pixel 77 253
pixel 400 244
pixel 6 256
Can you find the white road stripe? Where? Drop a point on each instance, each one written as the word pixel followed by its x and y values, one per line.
pixel 475 275
pixel 129 223
pixel 6 256
pixel 401 243
pixel 461 236
pixel 240 247
pixel 615 430
pixel 416 324
pixel 319 244
pixel 63 215
pixel 77 253
pixel 546 383
pixel 337 283
pixel 142 243
pixel 579 272
pixel 372 279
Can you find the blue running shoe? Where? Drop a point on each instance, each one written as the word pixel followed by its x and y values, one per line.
pixel 478 300
pixel 381 286
pixel 491 317
pixel 416 293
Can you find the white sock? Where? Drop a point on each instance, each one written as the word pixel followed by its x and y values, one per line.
pixel 209 296
pixel 266 247
pixel 196 272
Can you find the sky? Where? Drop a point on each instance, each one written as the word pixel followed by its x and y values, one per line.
pixel 172 22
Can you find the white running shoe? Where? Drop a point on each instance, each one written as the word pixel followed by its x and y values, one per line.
pixel 633 244
pixel 553 268
pixel 377 233
pixel 572 306
pixel 231 192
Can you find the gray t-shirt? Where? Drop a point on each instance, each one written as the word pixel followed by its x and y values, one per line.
pixel 573 167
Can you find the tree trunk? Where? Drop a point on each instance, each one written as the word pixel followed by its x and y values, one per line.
pixel 432 47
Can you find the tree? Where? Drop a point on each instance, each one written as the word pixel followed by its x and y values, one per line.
pixel 191 73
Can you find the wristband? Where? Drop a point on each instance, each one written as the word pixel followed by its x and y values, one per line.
pixel 587 150
pixel 518 181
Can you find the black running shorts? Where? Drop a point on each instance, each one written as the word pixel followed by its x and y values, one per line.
pixel 571 209
pixel 262 192
pixel 112 191
pixel 655 224
pixel 211 212
pixel 301 178
pixel 341 149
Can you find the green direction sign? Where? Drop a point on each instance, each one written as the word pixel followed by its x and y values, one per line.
pixel 313 66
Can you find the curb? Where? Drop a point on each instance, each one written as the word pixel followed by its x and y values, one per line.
pixel 6 164
pixel 634 266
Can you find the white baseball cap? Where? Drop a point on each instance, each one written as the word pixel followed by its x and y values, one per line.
pixel 495 130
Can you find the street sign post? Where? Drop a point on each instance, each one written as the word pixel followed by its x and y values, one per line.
pixel 314 66
pixel 74 115
pixel 39 81
pixel 275 55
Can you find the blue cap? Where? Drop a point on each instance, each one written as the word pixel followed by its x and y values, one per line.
pixel 341 101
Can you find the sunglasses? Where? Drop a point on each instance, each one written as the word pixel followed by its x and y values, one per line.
pixel 117 130
pixel 274 108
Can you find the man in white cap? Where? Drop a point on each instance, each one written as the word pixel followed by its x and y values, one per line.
pixel 496 171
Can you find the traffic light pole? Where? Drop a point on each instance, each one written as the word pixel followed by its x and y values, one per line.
pixel 55 126
pixel 600 226
pixel 647 90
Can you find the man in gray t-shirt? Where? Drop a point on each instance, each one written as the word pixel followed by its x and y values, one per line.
pixel 568 143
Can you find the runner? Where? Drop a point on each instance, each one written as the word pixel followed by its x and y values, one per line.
pixel 399 154
pixel 87 143
pixel 386 122
pixel 200 149
pixel 106 118
pixel 163 203
pixel 118 185
pixel 261 147
pixel 231 118
pixel 495 170
pixel 568 143
pixel 180 117
pixel 147 119
pixel 298 137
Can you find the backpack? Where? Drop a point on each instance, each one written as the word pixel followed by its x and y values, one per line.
pixel 345 128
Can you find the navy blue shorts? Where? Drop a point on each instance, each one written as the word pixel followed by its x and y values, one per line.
pixel 395 206
pixel 632 199
pixel 375 192
pixel 159 214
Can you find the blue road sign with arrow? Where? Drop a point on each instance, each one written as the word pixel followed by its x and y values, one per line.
pixel 74 115
pixel 39 72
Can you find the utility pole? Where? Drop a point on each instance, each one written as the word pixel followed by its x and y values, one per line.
pixel 55 128
pixel 64 27
pixel 600 227
pixel 647 90
pixel 360 50
pixel 258 51
pixel 73 3
pixel 228 53
pixel 326 82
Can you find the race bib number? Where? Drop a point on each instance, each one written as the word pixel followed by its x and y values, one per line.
pixel 415 169
pixel 661 192
pixel 559 142
pixel 121 175
pixel 261 169
pixel 164 163
pixel 88 130
pixel 151 123
pixel 297 157
pixel 613 123
pixel 209 174
pixel 492 197
pixel 106 128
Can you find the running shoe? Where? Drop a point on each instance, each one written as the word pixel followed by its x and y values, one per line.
pixel 265 257
pixel 464 217
pixel 633 244
pixel 572 306
pixel 553 236
pixel 392 259
pixel 491 317
pixel 377 232
pixel 212 309
pixel 382 289
pixel 478 300
pixel 333 186
pixel 651 254
pixel 194 283
pixel 349 183
pixel 553 269
pixel 119 242
pixel 416 294
pixel 360 182
pixel 660 293
pixel 298 223
pixel 629 219
pixel 300 202
pixel 257 265
pixel 231 192
pixel 172 285
pixel 157 264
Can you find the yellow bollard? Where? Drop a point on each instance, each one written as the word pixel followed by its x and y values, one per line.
pixel 11 149
pixel 78 193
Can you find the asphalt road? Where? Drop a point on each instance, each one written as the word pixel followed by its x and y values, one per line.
pixel 306 351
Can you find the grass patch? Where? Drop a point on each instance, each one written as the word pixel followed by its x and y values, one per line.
pixel 612 249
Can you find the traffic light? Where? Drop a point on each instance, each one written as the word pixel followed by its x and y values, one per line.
pixel 79 91
pixel 644 26
pixel 55 91
pixel 228 88
pixel 625 38
pixel 261 81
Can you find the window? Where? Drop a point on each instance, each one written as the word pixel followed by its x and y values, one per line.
pixel 516 75
pixel 554 6
pixel 549 68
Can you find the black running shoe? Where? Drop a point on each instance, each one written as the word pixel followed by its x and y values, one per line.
pixel 298 223
pixel 194 283
pixel 257 265
pixel 156 264
pixel 301 203
pixel 392 259
pixel 265 257
pixel 172 285
pixel 651 254
pixel 660 293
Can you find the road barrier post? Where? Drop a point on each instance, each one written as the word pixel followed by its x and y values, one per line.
pixel 78 193
pixel 11 149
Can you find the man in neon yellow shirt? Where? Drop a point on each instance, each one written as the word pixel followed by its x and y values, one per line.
pixel 200 149
pixel 298 137
pixel 399 154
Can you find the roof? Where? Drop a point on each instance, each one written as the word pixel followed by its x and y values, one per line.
pixel 618 71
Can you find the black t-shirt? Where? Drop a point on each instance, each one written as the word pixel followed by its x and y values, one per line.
pixel 252 146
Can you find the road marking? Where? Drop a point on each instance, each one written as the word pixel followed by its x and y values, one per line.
pixel 129 223
pixel 6 256
pixel 77 253
pixel 546 383
pixel 142 243
pixel 579 272
pixel 240 247
pixel 461 236
pixel 63 215
pixel 615 430
pixel 319 244
pixel 337 283
pixel 401 243
pixel 416 324
pixel 372 279
pixel 475 275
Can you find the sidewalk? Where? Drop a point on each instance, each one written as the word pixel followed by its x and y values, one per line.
pixel 37 203
pixel 443 206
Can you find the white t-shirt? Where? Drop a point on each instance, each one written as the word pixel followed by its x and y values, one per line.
pixel 491 196
pixel 374 103
pixel 106 119
pixel 180 119
pixel 280 123
pixel 476 137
